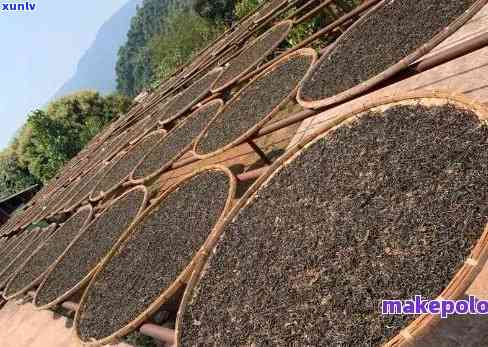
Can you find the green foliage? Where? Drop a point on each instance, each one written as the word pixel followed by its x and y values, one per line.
pixel 246 7
pixel 186 34
pixel 53 136
pixel 215 11
pixel 160 39
pixel 321 19
pixel 64 128
pixel 13 176
pixel 347 5
pixel 135 64
pixel 158 42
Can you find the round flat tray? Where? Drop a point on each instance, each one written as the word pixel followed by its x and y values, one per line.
pixel 87 187
pixel 454 290
pixel 60 203
pixel 95 251
pixel 121 169
pixel 175 145
pixel 33 270
pixel 443 33
pixel 10 268
pixel 242 97
pixel 166 203
pixel 188 98
pixel 239 65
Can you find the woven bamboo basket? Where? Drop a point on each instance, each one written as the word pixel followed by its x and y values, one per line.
pixel 12 251
pixel 168 293
pixel 217 73
pixel 142 130
pixel 17 246
pixel 105 194
pixel 195 76
pixel 107 150
pixel 247 134
pixel 121 145
pixel 40 278
pixel 287 24
pixel 82 284
pixel 9 268
pixel 71 204
pixel 167 165
pixel 461 280
pixel 392 70
pixel 180 87
pixel 55 206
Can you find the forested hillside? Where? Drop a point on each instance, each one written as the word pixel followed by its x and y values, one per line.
pixel 165 34
pixel 134 66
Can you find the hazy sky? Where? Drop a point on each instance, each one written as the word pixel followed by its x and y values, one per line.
pixel 40 50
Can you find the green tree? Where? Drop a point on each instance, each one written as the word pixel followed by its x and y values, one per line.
pixel 216 11
pixel 53 136
pixel 135 67
pixel 246 7
pixel 13 176
pixel 185 35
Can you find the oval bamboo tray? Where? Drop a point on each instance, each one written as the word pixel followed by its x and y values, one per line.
pixel 182 110
pixel 6 257
pixel 462 279
pixel 104 166
pixel 141 130
pixel 10 268
pixel 81 284
pixel 68 205
pixel 179 282
pixel 102 195
pixel 19 244
pixel 40 277
pixel 165 166
pixel 302 52
pixel 389 72
pixel 286 24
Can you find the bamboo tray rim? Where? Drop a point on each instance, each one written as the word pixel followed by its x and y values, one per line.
pixel 40 277
pixel 460 281
pixel 66 295
pixel 389 72
pixel 179 282
pixel 106 193
pixel 164 166
pixel 249 132
pixel 215 71
pixel 288 24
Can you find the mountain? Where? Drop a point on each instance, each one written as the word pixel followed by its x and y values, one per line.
pixel 96 69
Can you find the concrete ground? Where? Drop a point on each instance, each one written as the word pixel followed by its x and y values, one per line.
pixel 23 326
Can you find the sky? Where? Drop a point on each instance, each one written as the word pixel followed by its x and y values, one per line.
pixel 39 51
